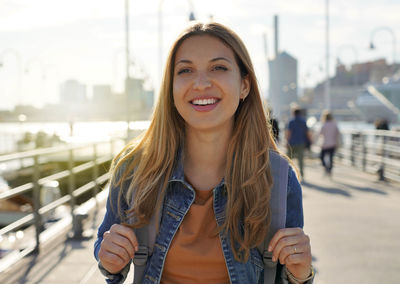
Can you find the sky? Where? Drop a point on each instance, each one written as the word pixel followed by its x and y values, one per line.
pixel 46 42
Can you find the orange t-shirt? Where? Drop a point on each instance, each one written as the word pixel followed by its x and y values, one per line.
pixel 195 254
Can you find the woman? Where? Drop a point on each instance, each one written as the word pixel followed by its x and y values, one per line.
pixel 330 138
pixel 204 163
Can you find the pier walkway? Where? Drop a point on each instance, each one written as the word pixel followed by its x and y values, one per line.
pixel 351 217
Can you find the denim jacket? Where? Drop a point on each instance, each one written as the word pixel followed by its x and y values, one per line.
pixel 179 197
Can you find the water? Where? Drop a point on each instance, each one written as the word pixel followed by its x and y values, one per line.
pixel 10 133
pixel 82 132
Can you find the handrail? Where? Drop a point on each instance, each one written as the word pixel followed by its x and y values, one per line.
pixel 35 186
pixel 374 151
pixel 44 151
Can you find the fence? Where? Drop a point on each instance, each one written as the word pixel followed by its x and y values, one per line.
pixel 92 155
pixel 375 151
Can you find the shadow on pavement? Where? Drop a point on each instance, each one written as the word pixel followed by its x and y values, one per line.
pixel 56 257
pixel 364 189
pixel 330 190
pixel 36 261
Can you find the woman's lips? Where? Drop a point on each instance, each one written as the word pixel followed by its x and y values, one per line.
pixel 204 104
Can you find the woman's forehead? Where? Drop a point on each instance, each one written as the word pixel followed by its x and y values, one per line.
pixel 203 46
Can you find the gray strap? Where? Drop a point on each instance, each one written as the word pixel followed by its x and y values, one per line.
pixel 146 237
pixel 279 168
pixel 141 256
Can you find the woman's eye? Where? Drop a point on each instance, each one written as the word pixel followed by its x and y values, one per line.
pixel 220 68
pixel 183 70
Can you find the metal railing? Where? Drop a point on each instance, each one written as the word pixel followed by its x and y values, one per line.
pixel 92 155
pixel 374 151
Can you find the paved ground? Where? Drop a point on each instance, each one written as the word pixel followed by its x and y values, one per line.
pixel 352 219
pixel 354 224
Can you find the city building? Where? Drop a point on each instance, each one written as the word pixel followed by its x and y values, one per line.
pixel 282 84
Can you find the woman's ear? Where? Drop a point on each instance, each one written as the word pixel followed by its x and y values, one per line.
pixel 245 87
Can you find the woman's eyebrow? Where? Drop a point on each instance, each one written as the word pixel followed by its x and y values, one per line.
pixel 212 60
pixel 220 58
pixel 183 61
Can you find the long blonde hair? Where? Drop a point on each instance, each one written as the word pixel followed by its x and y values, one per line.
pixel 151 158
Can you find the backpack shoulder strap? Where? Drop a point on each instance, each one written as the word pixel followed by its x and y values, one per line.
pixel 146 237
pixel 279 169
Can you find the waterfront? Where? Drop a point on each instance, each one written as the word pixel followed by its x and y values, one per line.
pixel 94 131
pixel 82 132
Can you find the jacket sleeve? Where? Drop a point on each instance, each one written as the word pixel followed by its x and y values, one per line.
pixel 294 203
pixel 112 217
pixel 294 216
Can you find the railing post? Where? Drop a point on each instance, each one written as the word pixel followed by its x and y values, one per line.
pixel 71 187
pixel 353 148
pixel 364 151
pixel 36 202
pixel 95 174
pixel 381 170
pixel 112 142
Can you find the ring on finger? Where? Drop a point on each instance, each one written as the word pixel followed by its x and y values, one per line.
pixel 295 249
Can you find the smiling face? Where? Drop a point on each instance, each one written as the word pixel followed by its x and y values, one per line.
pixel 207 84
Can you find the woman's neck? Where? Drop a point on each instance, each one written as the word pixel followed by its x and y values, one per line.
pixel 205 157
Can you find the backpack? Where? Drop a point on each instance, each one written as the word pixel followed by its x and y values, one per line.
pixel 279 167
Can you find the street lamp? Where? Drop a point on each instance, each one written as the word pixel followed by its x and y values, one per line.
pixel 160 32
pixel 390 31
pixel 127 65
pixel 327 81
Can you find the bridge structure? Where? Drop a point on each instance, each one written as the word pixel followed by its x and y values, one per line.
pixel 352 218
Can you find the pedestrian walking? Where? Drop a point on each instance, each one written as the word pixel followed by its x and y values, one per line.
pixel 203 174
pixel 274 125
pixel 330 141
pixel 298 138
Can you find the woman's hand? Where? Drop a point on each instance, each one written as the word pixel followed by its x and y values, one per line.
pixel 292 247
pixel 117 248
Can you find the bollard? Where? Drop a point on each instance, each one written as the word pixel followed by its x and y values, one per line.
pixel 77 224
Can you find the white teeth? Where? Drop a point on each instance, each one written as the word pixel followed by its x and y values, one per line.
pixel 204 102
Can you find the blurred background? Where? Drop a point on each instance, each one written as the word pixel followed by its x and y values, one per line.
pixel 75 61
pixel 80 78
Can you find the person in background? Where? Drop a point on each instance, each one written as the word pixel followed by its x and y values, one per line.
pixel 274 125
pixel 330 138
pixel 298 136
pixel 204 165
pixel 381 124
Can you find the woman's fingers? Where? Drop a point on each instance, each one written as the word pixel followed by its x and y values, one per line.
pixel 118 245
pixel 127 233
pixel 289 241
pixel 117 248
pixel 300 250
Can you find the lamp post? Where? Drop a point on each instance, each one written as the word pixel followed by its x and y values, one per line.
pixel 127 64
pixel 327 82
pixel 160 32
pixel 19 67
pixel 391 32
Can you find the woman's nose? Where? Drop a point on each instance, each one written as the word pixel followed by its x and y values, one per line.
pixel 201 81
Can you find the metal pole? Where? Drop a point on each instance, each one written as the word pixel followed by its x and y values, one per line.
pixel 127 65
pixel 160 34
pixel 160 41
pixel 266 56
pixel 327 82
pixel 71 188
pixel 95 175
pixel 393 41
pixel 36 202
